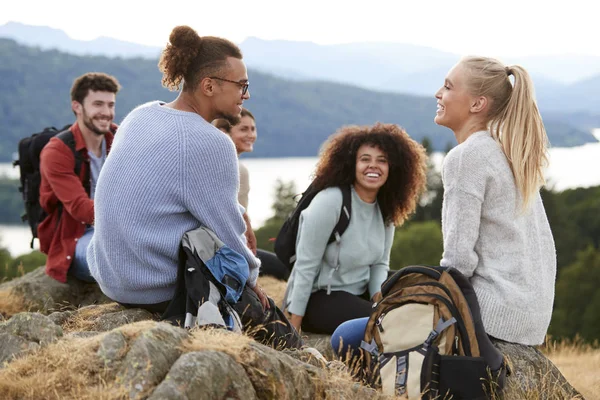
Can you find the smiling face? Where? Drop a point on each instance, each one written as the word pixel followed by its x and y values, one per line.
pixel 244 134
pixel 97 111
pixel 372 169
pixel 454 100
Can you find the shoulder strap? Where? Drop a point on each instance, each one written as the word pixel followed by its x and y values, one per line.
pixel 67 138
pixel 434 272
pixel 345 213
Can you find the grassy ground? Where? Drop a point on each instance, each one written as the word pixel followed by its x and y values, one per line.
pixel 578 362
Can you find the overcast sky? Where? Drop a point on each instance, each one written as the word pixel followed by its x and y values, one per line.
pixel 494 28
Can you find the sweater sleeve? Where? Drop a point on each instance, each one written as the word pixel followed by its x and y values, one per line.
pixel 464 191
pixel 379 270
pixel 211 194
pixel 316 224
pixel 57 164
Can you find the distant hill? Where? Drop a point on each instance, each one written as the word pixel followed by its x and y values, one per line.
pixel 55 39
pixel 293 117
pixel 390 67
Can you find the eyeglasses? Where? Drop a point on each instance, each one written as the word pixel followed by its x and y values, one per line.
pixel 244 85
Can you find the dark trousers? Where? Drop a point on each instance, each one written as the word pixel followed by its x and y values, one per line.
pixel 272 266
pixel 324 313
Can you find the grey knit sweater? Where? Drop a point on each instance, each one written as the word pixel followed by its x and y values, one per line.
pixel 508 255
pixel 168 172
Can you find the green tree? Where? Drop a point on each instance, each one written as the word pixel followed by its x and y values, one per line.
pixel 429 206
pixel 286 197
pixel 265 236
pixel 5 260
pixel 285 201
pixel 417 243
pixel 577 298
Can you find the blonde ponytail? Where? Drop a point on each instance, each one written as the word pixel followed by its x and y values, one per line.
pixel 522 135
pixel 514 120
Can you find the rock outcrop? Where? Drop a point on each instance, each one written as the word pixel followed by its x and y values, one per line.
pixel 106 351
pixel 36 291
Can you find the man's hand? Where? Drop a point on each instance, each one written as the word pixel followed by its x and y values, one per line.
pixel 250 237
pixel 262 296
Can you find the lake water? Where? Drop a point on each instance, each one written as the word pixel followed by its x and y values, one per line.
pixel 569 168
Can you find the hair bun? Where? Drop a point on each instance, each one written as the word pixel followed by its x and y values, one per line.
pixel 184 37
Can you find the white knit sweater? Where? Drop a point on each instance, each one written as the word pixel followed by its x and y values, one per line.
pixel 508 255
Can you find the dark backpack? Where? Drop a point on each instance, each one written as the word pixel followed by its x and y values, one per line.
pixel 425 338
pixel 285 243
pixel 29 168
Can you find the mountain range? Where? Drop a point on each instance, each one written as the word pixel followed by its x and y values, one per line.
pixel 562 82
pixel 294 116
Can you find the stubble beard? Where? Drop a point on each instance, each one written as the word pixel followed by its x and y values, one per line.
pixel 89 123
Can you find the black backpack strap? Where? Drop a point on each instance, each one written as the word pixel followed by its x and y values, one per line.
pixel 67 138
pixel 345 213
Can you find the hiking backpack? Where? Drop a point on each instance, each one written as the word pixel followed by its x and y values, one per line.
pixel 425 338
pixel 285 243
pixel 30 176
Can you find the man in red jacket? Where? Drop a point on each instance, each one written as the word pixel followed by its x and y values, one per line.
pixel 68 198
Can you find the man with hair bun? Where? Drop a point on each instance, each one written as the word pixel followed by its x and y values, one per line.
pixel 170 172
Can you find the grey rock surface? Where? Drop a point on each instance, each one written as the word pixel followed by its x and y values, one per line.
pixel 205 375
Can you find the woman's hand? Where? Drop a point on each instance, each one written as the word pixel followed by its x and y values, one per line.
pixel 262 296
pixel 296 321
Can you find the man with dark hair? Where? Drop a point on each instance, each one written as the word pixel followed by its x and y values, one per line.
pixel 67 192
pixel 172 172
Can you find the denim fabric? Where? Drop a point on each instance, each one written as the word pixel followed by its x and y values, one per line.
pixel 350 334
pixel 79 267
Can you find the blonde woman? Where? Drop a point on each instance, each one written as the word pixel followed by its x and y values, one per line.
pixel 494 224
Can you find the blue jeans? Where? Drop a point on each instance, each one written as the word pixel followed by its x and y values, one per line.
pixel 79 267
pixel 349 335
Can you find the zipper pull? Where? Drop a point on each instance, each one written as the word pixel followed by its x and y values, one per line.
pixel 455 349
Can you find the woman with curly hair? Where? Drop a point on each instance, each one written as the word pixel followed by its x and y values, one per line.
pixel 385 170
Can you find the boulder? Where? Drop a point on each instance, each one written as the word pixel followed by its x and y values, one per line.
pixel 12 346
pixel 26 332
pixel 532 373
pixel 150 357
pixel 99 318
pixel 205 375
pixel 36 291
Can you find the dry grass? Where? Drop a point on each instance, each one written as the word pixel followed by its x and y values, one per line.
pixel 11 304
pixel 69 369
pixel 274 288
pixel 579 363
pixel 66 369
pixel 85 318
pixel 218 340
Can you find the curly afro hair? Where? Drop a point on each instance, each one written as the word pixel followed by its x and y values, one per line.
pixel 407 161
